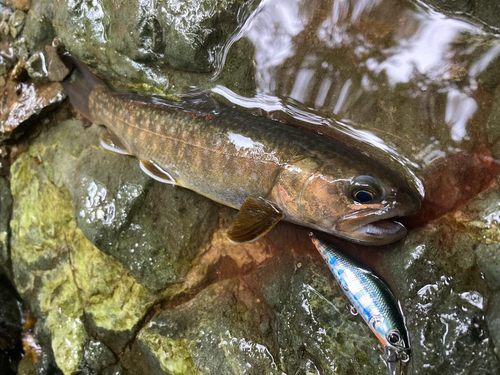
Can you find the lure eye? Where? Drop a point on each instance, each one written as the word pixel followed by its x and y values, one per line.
pixel 393 338
pixel 362 195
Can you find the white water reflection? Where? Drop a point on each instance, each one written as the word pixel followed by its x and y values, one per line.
pixel 389 67
pixel 428 51
pixel 272 31
pixel 459 109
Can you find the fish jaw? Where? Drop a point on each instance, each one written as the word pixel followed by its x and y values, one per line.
pixel 375 224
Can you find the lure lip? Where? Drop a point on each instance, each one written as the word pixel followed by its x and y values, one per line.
pixel 396 359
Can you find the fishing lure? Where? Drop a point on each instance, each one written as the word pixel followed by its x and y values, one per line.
pixel 374 301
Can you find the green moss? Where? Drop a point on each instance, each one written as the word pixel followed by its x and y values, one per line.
pixel 59 300
pixel 42 219
pixel 173 355
pixel 113 297
pixel 60 272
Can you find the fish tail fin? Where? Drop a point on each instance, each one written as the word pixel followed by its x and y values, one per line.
pixel 79 85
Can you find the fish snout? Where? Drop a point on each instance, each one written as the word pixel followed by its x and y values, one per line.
pixel 406 202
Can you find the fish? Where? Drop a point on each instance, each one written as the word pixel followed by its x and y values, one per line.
pixel 373 301
pixel 267 170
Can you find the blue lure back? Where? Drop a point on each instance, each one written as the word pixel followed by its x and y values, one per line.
pixel 371 298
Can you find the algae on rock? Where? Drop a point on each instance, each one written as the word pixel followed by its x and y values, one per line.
pixel 59 272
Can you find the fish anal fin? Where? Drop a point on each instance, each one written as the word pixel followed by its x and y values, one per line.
pixel 257 216
pixel 157 173
pixel 110 142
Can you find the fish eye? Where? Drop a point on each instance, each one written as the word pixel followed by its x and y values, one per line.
pixel 365 189
pixel 362 195
pixel 393 337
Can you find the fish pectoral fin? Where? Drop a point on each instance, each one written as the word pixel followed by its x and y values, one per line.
pixel 154 171
pixel 256 217
pixel 110 142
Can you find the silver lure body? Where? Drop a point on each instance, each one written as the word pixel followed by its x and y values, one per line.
pixel 372 299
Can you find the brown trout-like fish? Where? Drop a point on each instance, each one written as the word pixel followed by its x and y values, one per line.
pixel 266 169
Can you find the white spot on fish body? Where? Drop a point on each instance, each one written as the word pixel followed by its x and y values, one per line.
pixel 241 142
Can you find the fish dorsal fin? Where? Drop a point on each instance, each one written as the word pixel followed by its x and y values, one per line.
pixel 196 98
pixel 154 171
pixel 193 100
pixel 110 142
pixel 256 217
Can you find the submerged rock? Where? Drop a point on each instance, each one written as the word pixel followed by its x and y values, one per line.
pixel 487 11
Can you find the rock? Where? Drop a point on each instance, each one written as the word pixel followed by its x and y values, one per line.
pixel 36 66
pixel 23 102
pixel 193 39
pixel 445 299
pixel 488 258
pixel 5 214
pixel 56 68
pixel 19 72
pixel 194 31
pixel 16 22
pixel 38 32
pixel 4 27
pixel 22 4
pixel 20 49
pixel 314 327
pixel 206 335
pixel 98 356
pixel 59 272
pixel 487 11
pixel 10 328
pixel 493 319
pixel 27 367
pixel 185 34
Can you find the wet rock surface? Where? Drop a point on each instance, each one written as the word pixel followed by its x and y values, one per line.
pixel 10 327
pixel 21 102
pixel 486 11
pixel 5 213
pixel 126 275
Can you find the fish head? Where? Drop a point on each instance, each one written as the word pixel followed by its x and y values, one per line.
pixel 360 206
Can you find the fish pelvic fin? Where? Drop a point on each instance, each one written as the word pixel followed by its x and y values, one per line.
pixel 111 142
pixel 79 85
pixel 257 216
pixel 156 172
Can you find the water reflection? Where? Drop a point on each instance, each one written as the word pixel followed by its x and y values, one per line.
pixel 394 75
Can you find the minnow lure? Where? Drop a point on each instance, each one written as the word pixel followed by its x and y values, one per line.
pixel 267 170
pixel 373 300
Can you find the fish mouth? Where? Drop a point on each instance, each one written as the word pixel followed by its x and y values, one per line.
pixel 373 226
